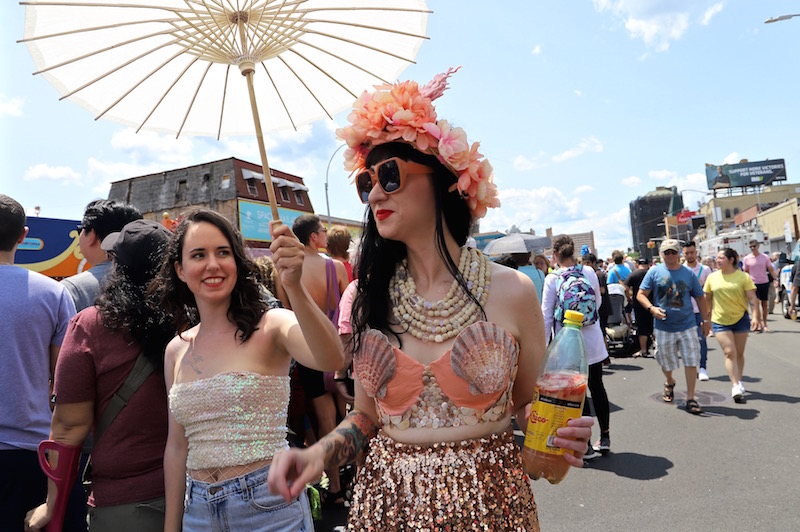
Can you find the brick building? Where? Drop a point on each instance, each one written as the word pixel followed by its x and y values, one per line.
pixel 234 188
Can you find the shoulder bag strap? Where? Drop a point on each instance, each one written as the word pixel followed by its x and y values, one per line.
pixel 332 287
pixel 141 370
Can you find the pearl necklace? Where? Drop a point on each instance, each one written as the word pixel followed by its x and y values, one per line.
pixel 438 321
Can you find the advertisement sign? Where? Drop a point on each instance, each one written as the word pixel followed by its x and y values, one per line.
pixel 51 248
pixel 254 218
pixel 685 216
pixel 745 174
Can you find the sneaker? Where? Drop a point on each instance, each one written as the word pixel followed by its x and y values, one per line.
pixel 603 445
pixel 702 375
pixel 741 387
pixel 591 454
pixel 737 393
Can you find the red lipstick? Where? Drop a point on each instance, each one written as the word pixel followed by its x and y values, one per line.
pixel 382 214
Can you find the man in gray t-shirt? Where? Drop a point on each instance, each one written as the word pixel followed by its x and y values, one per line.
pixel 101 218
pixel 34 315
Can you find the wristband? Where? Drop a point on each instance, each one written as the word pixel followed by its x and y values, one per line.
pixel 340 379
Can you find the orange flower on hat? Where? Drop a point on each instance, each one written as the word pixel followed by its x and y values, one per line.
pixel 404 112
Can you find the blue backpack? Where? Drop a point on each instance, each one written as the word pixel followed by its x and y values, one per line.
pixel 574 292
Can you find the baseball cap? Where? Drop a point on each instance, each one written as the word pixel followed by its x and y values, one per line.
pixel 138 248
pixel 642 260
pixel 670 244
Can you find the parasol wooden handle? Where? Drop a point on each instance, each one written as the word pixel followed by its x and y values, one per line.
pixel 273 204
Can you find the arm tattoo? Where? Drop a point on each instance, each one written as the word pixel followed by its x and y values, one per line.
pixel 343 445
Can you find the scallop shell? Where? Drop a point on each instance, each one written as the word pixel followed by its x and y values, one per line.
pixel 484 355
pixel 374 363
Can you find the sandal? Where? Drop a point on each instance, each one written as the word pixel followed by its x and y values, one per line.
pixel 669 392
pixel 693 408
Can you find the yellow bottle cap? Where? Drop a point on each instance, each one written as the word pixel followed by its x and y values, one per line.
pixel 574 316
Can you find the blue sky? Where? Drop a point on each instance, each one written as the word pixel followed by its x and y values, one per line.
pixel 580 106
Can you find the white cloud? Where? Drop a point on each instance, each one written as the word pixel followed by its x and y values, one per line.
pixel 658 31
pixel 732 158
pixel 710 12
pixel 583 188
pixel 148 146
pixel 693 187
pixel 522 163
pixel 632 181
pixel 536 207
pixel 657 24
pixel 661 175
pixel 578 92
pixel 611 230
pixel 548 207
pixel 537 49
pixel 10 106
pixel 101 174
pixel 590 144
pixel 43 171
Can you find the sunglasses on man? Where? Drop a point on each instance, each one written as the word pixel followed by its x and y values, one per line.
pixel 670 252
pixel 390 174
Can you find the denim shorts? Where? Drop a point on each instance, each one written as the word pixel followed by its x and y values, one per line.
pixel 243 503
pixel 741 326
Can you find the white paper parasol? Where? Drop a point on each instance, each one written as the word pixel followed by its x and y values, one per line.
pixel 173 65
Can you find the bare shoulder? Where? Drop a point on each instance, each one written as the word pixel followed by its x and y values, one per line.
pixel 510 282
pixel 175 350
pixel 510 292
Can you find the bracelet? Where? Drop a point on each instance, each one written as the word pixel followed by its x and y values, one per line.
pixel 340 379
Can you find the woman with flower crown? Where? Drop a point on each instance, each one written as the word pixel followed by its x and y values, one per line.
pixel 447 345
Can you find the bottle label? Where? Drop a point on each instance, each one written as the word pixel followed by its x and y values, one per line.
pixel 547 415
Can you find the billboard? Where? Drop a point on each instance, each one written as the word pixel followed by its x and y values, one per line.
pixel 745 174
pixel 51 248
pixel 254 218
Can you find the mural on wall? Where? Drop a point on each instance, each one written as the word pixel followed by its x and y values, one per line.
pixel 51 248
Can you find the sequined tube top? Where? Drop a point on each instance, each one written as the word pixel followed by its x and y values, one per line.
pixel 230 419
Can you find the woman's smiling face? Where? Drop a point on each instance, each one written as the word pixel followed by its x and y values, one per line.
pixel 207 264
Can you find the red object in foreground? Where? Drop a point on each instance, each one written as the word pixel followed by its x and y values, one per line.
pixel 63 475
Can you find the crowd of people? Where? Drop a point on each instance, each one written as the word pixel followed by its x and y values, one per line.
pixel 209 390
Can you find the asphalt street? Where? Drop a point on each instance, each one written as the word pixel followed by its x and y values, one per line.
pixel 735 467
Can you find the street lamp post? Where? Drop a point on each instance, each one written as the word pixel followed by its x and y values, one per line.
pixel 782 17
pixel 327 202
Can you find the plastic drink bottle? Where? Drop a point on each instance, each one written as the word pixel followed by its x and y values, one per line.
pixel 559 396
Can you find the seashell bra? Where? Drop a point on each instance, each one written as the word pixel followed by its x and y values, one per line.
pixel 471 383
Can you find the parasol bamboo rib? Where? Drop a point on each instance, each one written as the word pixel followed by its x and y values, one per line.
pixel 191 104
pixel 262 150
pixel 312 63
pixel 280 98
pixel 138 83
pixel 96 28
pixel 166 92
pixel 224 95
pixel 367 27
pixel 344 60
pixel 300 79
pixel 360 45
pixel 111 47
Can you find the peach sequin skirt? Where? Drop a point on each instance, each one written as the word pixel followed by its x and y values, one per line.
pixel 468 485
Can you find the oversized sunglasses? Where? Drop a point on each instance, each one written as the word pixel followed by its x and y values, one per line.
pixel 391 174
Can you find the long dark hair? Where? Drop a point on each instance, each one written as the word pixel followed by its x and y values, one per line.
pixel 379 257
pixel 246 308
pixel 127 306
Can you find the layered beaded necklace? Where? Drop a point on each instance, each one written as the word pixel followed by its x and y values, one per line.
pixel 438 321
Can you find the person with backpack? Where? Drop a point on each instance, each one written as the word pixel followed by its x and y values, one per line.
pixel 575 287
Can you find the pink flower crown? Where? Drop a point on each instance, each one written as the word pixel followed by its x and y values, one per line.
pixel 404 112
